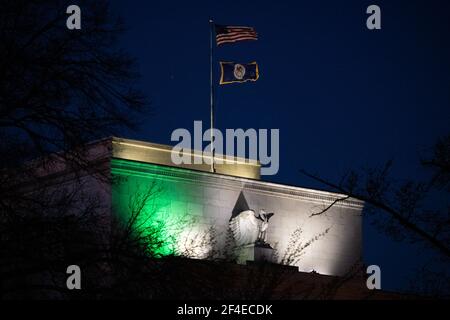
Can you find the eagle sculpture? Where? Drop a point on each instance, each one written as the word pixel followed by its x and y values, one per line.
pixel 249 227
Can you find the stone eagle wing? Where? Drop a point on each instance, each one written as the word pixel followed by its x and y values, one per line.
pixel 245 227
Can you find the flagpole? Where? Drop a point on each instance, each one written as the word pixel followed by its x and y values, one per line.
pixel 211 24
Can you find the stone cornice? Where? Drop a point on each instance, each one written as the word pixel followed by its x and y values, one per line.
pixel 127 167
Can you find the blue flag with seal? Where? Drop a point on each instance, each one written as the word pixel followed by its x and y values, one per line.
pixel 238 72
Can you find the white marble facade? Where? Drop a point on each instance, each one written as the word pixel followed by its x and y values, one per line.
pixel 213 198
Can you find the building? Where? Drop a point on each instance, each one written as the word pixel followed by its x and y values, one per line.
pixel 194 206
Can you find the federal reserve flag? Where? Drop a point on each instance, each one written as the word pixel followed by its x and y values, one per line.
pixel 237 72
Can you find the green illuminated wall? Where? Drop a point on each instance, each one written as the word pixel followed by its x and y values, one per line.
pixel 167 208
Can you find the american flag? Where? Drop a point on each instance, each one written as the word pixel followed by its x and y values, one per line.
pixel 227 34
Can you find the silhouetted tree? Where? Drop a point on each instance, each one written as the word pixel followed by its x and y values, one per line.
pixel 59 89
pixel 414 210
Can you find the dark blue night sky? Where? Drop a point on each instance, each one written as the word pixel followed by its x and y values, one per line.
pixel 342 96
